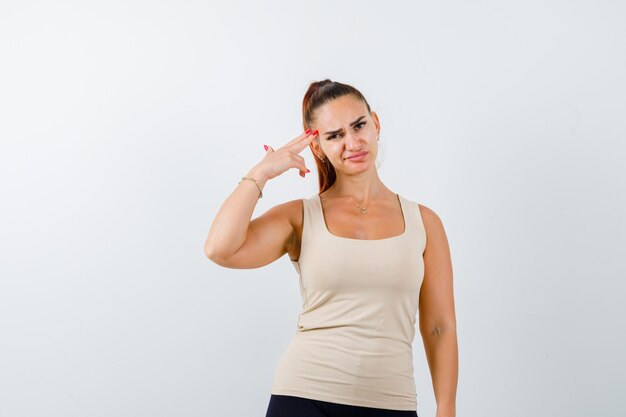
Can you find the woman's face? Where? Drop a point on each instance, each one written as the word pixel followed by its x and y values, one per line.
pixel 345 129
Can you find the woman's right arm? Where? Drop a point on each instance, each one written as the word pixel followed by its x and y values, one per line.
pixel 236 242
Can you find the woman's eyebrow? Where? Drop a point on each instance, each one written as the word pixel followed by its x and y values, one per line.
pixel 332 132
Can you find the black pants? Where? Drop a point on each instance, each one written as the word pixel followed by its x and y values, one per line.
pixel 289 406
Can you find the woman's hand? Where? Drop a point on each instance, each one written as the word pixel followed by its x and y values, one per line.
pixel 278 161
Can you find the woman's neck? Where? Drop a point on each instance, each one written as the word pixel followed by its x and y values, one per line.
pixel 362 192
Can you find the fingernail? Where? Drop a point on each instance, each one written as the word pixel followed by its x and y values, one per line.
pixel 265 146
pixel 315 133
pixel 308 131
pixel 308 170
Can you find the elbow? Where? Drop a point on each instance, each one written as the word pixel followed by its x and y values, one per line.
pixel 207 250
pixel 210 253
pixel 213 250
pixel 211 247
pixel 438 328
pixel 215 256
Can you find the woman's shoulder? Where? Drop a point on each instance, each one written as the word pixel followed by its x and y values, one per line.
pixel 293 211
pixel 433 226
pixel 430 220
pixel 424 211
pixel 428 215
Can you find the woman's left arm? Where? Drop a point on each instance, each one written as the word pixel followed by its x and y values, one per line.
pixel 437 319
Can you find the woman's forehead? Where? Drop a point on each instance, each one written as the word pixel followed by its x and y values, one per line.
pixel 340 111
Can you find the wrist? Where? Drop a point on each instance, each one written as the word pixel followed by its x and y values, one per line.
pixel 258 175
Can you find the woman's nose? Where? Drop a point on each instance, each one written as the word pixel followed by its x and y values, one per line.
pixel 354 140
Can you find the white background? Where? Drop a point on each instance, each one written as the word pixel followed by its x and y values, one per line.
pixel 124 125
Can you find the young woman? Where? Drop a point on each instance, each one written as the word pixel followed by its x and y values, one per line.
pixel 367 257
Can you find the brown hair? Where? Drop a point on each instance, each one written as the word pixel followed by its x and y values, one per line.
pixel 319 93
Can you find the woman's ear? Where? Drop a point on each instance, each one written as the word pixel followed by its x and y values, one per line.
pixel 316 149
pixel 376 121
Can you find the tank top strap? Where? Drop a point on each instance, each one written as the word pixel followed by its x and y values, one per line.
pixel 414 223
pixel 313 220
pixel 408 214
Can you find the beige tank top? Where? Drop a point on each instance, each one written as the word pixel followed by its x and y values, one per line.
pixel 354 335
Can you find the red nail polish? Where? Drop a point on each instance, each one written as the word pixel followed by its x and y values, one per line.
pixel 315 133
pixel 308 131
pixel 308 170
pixel 265 146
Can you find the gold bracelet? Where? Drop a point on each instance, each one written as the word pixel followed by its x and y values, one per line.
pixel 257 184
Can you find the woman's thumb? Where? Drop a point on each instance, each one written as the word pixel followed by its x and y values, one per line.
pixel 268 147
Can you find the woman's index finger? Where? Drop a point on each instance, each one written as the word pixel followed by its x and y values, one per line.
pixel 304 142
pixel 298 138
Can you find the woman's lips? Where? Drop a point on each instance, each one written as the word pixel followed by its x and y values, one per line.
pixel 357 156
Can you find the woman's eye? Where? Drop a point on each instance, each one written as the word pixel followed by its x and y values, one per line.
pixel 359 126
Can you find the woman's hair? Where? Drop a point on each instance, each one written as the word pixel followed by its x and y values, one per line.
pixel 318 94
